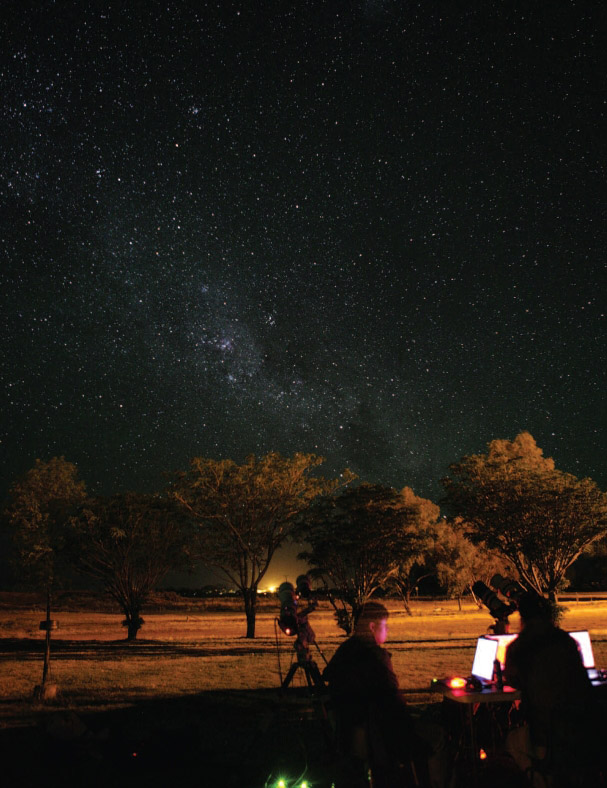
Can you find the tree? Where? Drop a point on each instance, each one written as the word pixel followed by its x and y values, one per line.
pixel 129 543
pixel 589 571
pixel 38 509
pixel 458 562
pixel 243 513
pixel 539 518
pixel 413 568
pixel 358 540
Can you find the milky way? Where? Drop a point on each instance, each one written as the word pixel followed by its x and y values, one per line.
pixel 370 230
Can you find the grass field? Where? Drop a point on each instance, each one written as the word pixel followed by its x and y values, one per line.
pixel 191 664
pixel 186 652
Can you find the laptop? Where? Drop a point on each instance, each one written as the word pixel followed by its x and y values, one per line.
pixel 582 638
pixel 483 665
pixel 503 641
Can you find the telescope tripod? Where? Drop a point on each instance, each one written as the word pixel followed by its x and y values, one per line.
pixel 307 665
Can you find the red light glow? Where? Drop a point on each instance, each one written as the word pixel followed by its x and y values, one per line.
pixel 457 683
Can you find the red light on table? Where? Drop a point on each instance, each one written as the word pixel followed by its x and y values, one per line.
pixel 457 683
pixel 482 754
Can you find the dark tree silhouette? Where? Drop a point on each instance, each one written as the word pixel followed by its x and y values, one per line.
pixel 129 543
pixel 243 513
pixel 458 562
pixel 38 509
pixel 516 502
pixel 359 539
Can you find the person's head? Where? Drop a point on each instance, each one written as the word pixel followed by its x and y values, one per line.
pixel 533 607
pixel 372 622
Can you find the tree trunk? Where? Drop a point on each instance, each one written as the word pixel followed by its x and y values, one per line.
pixel 477 601
pixel 406 595
pixel 133 623
pixel 552 595
pixel 250 609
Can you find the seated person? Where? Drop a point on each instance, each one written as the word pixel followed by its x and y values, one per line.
pixel 370 710
pixel 556 694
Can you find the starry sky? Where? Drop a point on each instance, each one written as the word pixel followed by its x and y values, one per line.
pixel 372 230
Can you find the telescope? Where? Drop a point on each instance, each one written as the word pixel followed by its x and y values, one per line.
pixel 293 620
pixel 302 587
pixel 498 609
pixel 510 588
pixel 287 619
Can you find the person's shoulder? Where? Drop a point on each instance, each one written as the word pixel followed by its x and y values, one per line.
pixel 339 661
pixel 360 642
pixel 515 645
pixel 559 643
pixel 558 635
pixel 351 646
pixel 569 643
pixel 351 642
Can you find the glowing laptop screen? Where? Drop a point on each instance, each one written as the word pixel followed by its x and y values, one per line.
pixel 582 638
pixel 503 641
pixel 484 657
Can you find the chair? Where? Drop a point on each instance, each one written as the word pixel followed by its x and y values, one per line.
pixel 364 760
pixel 573 751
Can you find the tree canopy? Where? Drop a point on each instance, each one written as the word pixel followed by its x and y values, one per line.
pixel 39 505
pixel 516 502
pixel 129 543
pixel 458 561
pixel 414 564
pixel 243 513
pixel 360 538
pixel 37 512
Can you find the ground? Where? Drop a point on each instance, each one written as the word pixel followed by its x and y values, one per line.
pixel 193 701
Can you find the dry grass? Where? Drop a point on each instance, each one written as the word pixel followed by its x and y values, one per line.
pixel 180 702
pixel 183 653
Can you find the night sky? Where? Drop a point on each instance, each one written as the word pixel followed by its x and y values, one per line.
pixel 368 230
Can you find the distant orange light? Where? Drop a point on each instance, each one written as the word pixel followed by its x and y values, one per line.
pixel 482 755
pixel 457 683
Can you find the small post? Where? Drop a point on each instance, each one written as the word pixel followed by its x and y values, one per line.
pixel 47 646
pixel 46 690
